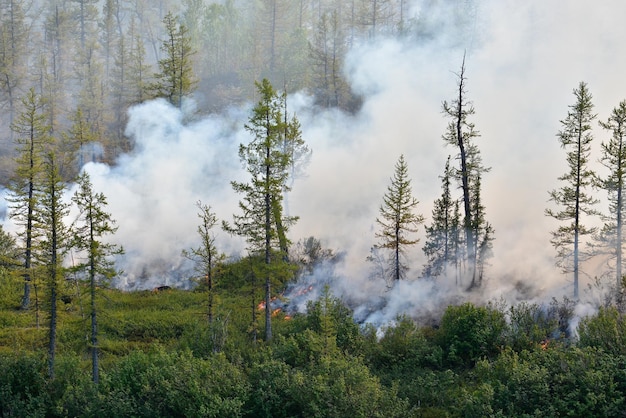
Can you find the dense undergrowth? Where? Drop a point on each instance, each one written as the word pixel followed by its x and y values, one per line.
pixel 159 357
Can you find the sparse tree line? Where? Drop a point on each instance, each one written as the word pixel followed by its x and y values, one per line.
pixel 459 238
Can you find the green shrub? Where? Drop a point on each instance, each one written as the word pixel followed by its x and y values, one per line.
pixel 23 391
pixel 161 384
pixel 469 333
pixel 529 325
pixel 605 330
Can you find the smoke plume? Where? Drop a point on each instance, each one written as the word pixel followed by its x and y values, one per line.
pixel 522 62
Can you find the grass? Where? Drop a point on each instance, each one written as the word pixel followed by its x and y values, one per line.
pixel 127 321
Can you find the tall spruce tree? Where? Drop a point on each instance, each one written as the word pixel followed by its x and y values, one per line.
pixel 483 231
pixel 397 220
pixel 573 198
pixel 92 224
pixel 267 159
pixel 611 237
pixel 50 250
pixel 439 245
pixel 176 78
pixel 32 135
pixel 326 54
pixel 461 134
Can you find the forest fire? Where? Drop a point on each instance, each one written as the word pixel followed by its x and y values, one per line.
pixel 275 311
pixel 285 302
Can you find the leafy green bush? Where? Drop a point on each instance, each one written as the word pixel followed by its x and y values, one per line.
pixel 161 384
pixel 605 330
pixel 23 389
pixel 469 333
pixel 529 325
pixel 559 381
pixel 334 386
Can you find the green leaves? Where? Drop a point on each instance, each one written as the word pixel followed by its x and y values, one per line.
pixel 469 333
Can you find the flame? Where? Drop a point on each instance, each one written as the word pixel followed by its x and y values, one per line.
pixel 303 291
pixel 261 305
pixel 544 344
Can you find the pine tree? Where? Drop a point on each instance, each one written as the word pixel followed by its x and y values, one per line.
pixel 32 135
pixel 610 238
pixel 458 243
pixel 56 62
pixel 74 150
pixel 50 212
pixel 461 133
pixel 483 231
pixel 439 243
pixel 267 159
pixel 572 197
pixel 91 97
pixel 138 67
pixel 176 79
pixel 326 56
pixel 375 14
pixel 206 254
pixel 92 224
pixel 397 219
pixel 14 33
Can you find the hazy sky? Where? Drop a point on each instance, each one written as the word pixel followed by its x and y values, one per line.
pixel 523 60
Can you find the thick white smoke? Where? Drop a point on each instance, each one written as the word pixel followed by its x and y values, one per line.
pixel 522 62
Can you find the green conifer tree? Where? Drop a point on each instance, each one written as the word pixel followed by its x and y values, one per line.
pixel 461 134
pixel 176 78
pixel 267 158
pixel 92 224
pixel 439 243
pixel 206 254
pixel 397 220
pixel 573 197
pixel 50 212
pixel 610 238
pixel 32 136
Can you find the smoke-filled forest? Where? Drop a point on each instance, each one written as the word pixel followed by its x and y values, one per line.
pixel 281 208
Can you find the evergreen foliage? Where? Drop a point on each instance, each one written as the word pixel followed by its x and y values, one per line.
pixel 50 212
pixel 442 235
pixel 92 225
pixel 573 198
pixel 32 138
pixel 276 141
pixel 461 133
pixel 610 237
pixel 206 256
pixel 153 353
pixel 176 79
pixel 397 219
